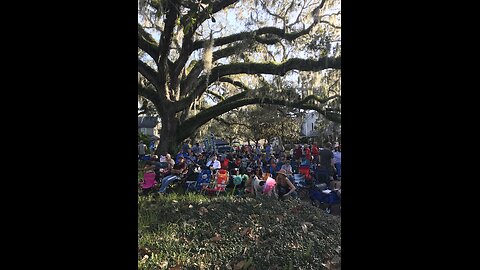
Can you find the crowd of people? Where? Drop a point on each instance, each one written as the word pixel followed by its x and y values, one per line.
pixel 259 164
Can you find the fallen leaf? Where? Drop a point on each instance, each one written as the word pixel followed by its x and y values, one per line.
pixel 304 228
pixel 239 209
pixel 163 264
pixel 217 237
pixel 309 224
pixel 177 267
pixel 244 231
pixel 202 211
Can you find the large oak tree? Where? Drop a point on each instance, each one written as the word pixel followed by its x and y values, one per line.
pixel 232 53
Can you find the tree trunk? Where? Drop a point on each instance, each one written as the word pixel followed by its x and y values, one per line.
pixel 168 136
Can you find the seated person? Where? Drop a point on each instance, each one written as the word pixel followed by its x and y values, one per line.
pixel 268 187
pixel 288 169
pixel 201 161
pixel 176 173
pixel 170 161
pixel 249 181
pixel 213 163
pixel 273 168
pixel 284 189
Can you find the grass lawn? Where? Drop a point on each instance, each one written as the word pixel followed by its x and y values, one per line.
pixel 200 232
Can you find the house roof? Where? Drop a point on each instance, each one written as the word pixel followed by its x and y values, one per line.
pixel 147 122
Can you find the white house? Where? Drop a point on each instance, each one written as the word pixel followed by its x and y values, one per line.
pixel 308 124
pixel 149 125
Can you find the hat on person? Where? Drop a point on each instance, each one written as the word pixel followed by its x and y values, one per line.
pixel 282 171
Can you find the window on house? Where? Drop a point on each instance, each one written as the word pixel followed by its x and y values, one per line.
pixel 312 127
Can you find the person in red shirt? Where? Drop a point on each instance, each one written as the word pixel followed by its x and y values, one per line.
pixel 308 154
pixel 225 162
pixel 297 153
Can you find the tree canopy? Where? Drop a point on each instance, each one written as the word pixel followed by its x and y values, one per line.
pixel 200 59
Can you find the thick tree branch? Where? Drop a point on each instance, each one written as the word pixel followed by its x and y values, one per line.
pixel 243 99
pixel 258 68
pixel 254 34
pixel 233 82
pixel 317 98
pixel 276 69
pixel 172 10
pixel 215 94
pixel 332 25
pixel 147 43
pixel 166 36
pixel 149 74
pixel 187 46
pixel 192 77
pixel 148 93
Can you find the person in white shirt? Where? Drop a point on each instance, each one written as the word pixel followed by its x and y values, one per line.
pixel 213 163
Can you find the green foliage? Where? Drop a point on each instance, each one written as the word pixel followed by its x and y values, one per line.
pixel 143 137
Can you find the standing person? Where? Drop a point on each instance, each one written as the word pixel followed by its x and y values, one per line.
pixel 258 149
pixel 268 149
pixel 297 153
pixel 337 155
pixel 315 152
pixel 142 150
pixel 327 161
pixel 308 155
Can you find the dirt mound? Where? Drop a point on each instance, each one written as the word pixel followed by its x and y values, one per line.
pixel 197 232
